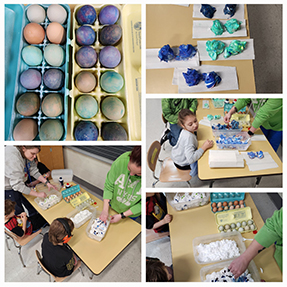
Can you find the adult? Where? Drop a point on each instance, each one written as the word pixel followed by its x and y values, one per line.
pixel 268 117
pixel 19 165
pixel 170 110
pixel 122 190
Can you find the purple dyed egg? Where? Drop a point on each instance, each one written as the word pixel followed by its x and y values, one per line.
pixel 86 131
pixel 53 79
pixel 110 57
pixel 86 15
pixel 30 79
pixel 85 36
pixel 114 132
pixel 109 15
pixel 86 57
pixel 110 35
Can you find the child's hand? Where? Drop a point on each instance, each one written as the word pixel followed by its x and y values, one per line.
pixel 167 218
pixel 207 144
pixel 42 194
pixel 23 215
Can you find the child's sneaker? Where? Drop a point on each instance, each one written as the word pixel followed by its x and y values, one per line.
pixel 165 136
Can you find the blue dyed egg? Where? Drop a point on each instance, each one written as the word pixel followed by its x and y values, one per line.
pixel 54 55
pixel 113 108
pixel 85 36
pixel 114 132
pixel 109 15
pixel 86 131
pixel 30 79
pixel 32 55
pixel 110 57
pixel 86 57
pixel 86 15
pixel 110 35
pixel 86 106
pixel 111 82
pixel 51 130
pixel 53 79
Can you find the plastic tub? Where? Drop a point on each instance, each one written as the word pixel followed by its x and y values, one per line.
pixel 41 187
pixel 66 174
pixel 235 235
pixel 215 130
pixel 218 103
pixel 243 146
pixel 45 205
pixel 91 209
pixel 93 236
pixel 178 206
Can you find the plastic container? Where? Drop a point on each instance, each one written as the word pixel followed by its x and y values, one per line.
pixel 243 146
pixel 215 130
pixel 217 103
pixel 41 187
pixel 235 235
pixel 66 174
pixel 240 217
pixel 12 95
pixel 91 209
pixel 47 204
pixel 229 197
pixel 204 271
pixel 131 99
pixel 243 119
pixel 93 236
pixel 178 206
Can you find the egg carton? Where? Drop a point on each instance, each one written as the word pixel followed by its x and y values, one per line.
pixel 97 229
pixel 70 193
pixel 98 93
pixel 42 91
pixel 53 198
pixel 243 119
pixel 229 199
pixel 91 211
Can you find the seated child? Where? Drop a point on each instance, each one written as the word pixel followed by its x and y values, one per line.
pixel 31 181
pixel 21 224
pixel 58 258
pixel 185 153
pixel 157 271
pixel 156 212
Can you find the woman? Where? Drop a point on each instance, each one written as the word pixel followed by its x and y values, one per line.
pixel 122 190
pixel 19 165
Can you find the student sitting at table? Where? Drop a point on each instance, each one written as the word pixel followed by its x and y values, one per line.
pixel 21 224
pixel 157 271
pixel 185 153
pixel 58 258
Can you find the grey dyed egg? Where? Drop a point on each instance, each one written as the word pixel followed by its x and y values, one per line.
pixel 243 223
pixel 220 228
pixel 240 229
pixel 238 224
pixel 232 225
pixel 249 222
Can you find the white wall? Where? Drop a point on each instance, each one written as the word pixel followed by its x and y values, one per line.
pixel 87 168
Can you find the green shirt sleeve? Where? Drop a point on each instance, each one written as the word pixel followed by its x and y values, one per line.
pixel 109 183
pixel 241 103
pixel 136 209
pixel 167 111
pixel 193 105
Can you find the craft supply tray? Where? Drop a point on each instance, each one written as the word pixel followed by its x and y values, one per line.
pixel 231 133
pixel 178 206
pixel 226 196
pixel 92 236
pixel 234 216
pixel 206 239
pixel 45 205
pixel 90 208
pixel 11 97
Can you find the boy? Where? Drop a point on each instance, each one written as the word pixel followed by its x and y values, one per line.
pixel 157 271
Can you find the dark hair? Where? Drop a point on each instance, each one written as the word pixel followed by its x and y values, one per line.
pixel 136 155
pixel 183 114
pixel 57 231
pixel 156 271
pixel 20 148
pixel 9 206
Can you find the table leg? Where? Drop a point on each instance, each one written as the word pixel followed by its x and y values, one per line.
pixel 258 179
pixel 211 183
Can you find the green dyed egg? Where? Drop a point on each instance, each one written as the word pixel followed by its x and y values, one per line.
pixel 54 55
pixel 113 108
pixel 32 55
pixel 111 82
pixel 52 105
pixel 86 106
pixel 28 104
pixel 51 130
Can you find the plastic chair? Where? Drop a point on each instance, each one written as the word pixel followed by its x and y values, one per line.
pixel 21 241
pixel 168 171
pixel 41 267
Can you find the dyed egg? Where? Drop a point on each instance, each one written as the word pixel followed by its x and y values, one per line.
pixel 232 225
pixel 36 13
pixel 111 82
pixel 213 204
pixel 241 202
pixel 51 130
pixel 113 132
pixel 85 36
pixel 25 130
pixel 56 33
pixel 110 57
pixel 85 82
pixel 109 15
pixel 220 228
pixel 86 131
pixel 236 202
pixel 34 33
pixel 86 15
pixel 86 106
pixel 230 203
pixel 30 79
pixel 52 105
pixel 110 35
pixel 231 207
pixel 57 13
pixel 225 203
pixel 54 55
pixel 214 209
pixel 220 208
pixel 86 57
pixel 53 79
pixel 32 55
pixel 219 204
pixel 237 206
pixel 113 108
pixel 249 222
pixel 28 104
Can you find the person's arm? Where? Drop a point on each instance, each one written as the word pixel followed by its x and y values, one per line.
pixel 165 220
pixel 105 212
pixel 44 180
pixel 117 217
pixel 241 103
pixel 167 111
pixel 193 105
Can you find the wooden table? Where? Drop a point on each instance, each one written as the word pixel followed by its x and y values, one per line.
pixel 200 221
pixel 172 24
pixel 207 173
pixel 96 255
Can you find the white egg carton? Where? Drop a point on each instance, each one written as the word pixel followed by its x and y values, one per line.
pixel 80 217
pixel 97 229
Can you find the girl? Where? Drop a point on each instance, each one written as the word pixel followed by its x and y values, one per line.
pixel 185 153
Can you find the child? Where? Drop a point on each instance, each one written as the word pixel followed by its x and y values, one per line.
pixel 185 153
pixel 157 271
pixel 58 258
pixel 31 181
pixel 21 224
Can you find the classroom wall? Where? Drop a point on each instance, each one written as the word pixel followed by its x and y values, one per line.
pixel 87 168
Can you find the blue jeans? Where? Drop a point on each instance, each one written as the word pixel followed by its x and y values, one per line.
pixel 194 169
pixel 174 133
pixel 274 137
